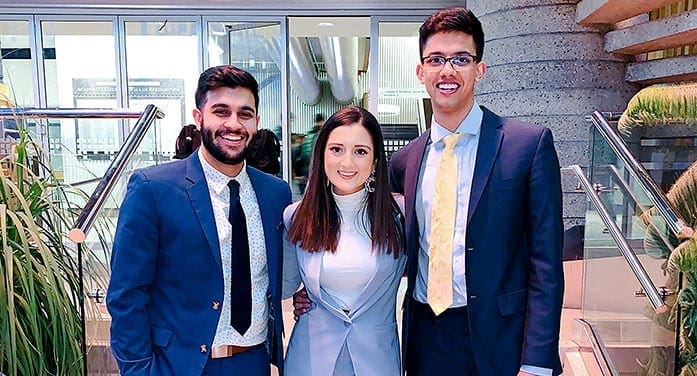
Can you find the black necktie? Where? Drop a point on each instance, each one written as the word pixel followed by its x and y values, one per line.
pixel 240 276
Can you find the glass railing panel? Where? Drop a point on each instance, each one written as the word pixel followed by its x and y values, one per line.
pixel 630 207
pixel 637 339
pixel 99 240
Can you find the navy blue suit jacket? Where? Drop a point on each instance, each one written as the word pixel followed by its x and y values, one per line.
pixel 513 263
pixel 167 274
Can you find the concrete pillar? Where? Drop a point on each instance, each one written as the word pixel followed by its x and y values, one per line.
pixel 546 69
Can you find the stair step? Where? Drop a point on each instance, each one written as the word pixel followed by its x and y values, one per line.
pixel 612 11
pixel 674 69
pixel 675 31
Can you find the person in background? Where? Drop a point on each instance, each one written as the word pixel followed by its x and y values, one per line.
pixel 187 142
pixel 344 244
pixel 306 148
pixel 264 152
pixel 195 284
pixel 483 223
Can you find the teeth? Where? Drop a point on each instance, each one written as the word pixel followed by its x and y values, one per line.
pixel 448 86
pixel 231 137
pixel 347 174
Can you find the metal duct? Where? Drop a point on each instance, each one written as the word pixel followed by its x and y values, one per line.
pixel 301 69
pixel 303 79
pixel 341 62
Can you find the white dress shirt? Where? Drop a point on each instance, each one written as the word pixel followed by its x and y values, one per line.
pixel 220 199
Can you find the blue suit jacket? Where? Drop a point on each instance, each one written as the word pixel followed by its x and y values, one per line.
pixel 370 330
pixel 514 273
pixel 167 274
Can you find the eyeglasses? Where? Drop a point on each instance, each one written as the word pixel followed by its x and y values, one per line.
pixel 458 62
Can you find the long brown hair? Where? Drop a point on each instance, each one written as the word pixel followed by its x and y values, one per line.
pixel 316 222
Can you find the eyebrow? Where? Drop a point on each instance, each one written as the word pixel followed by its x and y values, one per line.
pixel 356 146
pixel 438 53
pixel 225 106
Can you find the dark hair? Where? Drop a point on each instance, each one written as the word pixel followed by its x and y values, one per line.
pixel 225 76
pixel 264 152
pixel 187 142
pixel 316 222
pixel 318 118
pixel 453 19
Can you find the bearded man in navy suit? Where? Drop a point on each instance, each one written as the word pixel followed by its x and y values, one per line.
pixel 507 278
pixel 195 289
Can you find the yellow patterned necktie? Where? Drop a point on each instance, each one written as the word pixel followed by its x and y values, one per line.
pixel 440 254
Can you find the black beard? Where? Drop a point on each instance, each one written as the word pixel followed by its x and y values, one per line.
pixel 218 153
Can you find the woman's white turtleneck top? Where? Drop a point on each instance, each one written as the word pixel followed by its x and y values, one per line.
pixel 346 272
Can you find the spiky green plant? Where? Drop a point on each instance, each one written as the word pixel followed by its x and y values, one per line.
pixel 40 322
pixel 661 104
pixel 683 197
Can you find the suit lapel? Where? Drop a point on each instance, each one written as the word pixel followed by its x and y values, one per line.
pixel 201 202
pixel 411 178
pixel 311 263
pixel 489 144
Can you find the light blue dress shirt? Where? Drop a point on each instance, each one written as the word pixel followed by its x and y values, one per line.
pixel 466 154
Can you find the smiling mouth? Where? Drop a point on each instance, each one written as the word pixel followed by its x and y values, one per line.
pixel 232 137
pixel 447 88
pixel 346 174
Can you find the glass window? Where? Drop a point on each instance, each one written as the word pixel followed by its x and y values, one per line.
pixel 328 69
pixel 404 108
pixel 16 84
pixel 80 71
pixel 16 87
pixel 162 60
pixel 256 48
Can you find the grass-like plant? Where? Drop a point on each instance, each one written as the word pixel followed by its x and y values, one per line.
pixel 661 104
pixel 40 322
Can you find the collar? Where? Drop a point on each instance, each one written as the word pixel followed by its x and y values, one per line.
pixel 216 180
pixel 471 124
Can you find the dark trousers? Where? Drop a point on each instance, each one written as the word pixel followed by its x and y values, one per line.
pixel 439 345
pixel 254 362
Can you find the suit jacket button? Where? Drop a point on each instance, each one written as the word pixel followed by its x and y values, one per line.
pixel 204 349
pixel 216 306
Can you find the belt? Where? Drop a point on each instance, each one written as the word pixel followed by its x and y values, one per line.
pixel 224 351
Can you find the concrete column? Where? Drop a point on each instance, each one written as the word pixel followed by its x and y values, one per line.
pixel 546 69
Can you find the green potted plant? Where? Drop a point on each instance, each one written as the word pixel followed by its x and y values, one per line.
pixel 40 323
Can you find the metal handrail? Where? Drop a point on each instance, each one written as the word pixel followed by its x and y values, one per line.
pixel 607 367
pixel 657 197
pixel 630 256
pixel 96 201
pixel 69 113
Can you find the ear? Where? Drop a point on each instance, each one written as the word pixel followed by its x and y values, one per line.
pixel 198 117
pixel 481 71
pixel 420 73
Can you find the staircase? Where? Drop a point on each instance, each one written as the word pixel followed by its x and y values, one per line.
pixel 632 32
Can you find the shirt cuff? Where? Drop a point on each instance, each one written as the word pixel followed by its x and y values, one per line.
pixel 539 371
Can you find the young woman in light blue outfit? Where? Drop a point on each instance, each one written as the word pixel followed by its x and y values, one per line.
pixel 344 245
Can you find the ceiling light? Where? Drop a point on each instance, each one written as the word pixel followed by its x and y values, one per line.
pixel 325 24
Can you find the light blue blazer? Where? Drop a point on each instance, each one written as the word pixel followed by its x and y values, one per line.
pixel 370 330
